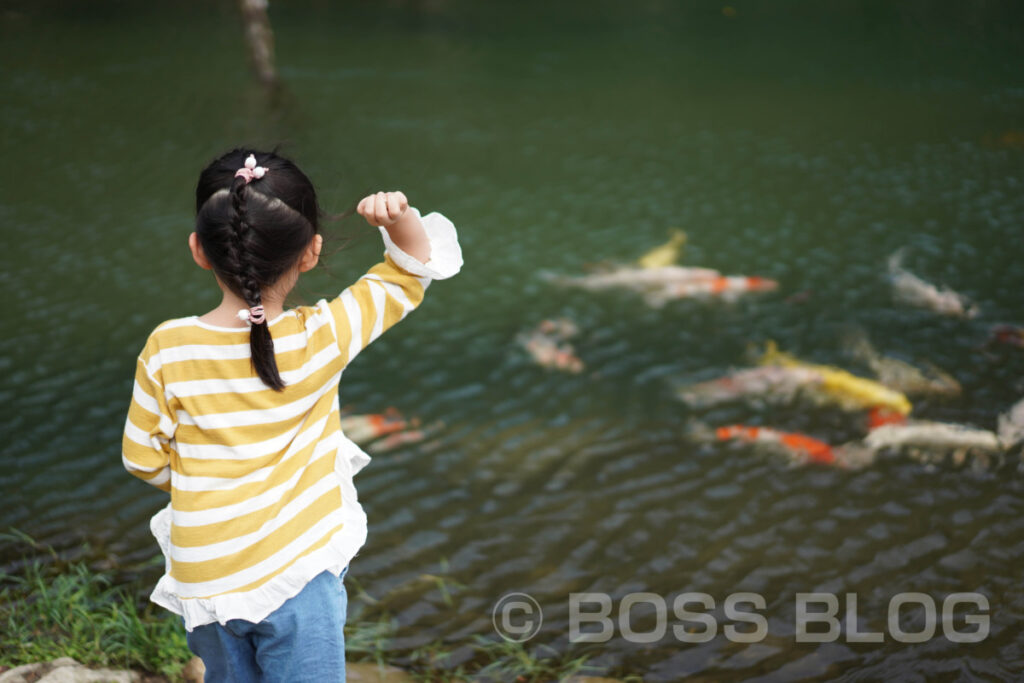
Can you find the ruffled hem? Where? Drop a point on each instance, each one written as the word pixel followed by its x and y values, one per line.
pixel 256 605
pixel 355 457
pixel 445 253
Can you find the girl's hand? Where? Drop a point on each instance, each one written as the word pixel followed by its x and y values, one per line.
pixel 383 208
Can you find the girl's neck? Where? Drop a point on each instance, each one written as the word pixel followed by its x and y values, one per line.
pixel 226 314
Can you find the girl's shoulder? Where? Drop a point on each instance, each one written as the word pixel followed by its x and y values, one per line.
pixel 190 330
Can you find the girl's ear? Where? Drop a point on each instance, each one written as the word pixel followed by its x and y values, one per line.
pixel 311 256
pixel 197 252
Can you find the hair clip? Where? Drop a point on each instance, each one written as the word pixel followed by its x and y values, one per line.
pixel 253 315
pixel 251 170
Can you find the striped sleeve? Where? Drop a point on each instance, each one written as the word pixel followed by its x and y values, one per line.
pixel 147 445
pixel 390 290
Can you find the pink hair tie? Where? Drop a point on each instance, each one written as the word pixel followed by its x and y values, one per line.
pixel 251 170
pixel 252 315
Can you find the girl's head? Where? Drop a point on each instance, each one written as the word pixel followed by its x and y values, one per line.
pixel 257 236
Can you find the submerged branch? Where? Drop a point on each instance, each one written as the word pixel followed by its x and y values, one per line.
pixel 260 40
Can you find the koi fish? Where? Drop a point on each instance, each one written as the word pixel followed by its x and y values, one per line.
pixel 1008 334
pixel 899 375
pixel 365 428
pixel 932 435
pixel 911 290
pixel 549 348
pixel 799 447
pixel 1011 425
pixel 847 389
pixel 633 278
pixel 727 287
pixel 775 383
pixel 665 254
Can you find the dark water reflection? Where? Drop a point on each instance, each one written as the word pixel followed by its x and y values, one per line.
pixel 792 142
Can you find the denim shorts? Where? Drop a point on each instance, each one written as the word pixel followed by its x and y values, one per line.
pixel 302 640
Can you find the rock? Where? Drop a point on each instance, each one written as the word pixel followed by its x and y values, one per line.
pixel 368 672
pixel 81 674
pixel 66 670
pixel 194 671
pixel 24 673
pixel 64 661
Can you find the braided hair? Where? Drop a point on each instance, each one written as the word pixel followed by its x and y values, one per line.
pixel 253 233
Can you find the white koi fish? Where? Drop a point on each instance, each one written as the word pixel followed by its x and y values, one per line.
pixel 899 375
pixel 933 435
pixel 911 290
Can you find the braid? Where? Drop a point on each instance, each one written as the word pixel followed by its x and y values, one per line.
pixel 244 271
pixel 246 276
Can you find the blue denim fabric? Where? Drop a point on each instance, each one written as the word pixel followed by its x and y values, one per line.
pixel 302 640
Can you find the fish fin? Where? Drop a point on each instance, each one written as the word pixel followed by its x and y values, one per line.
pixel 771 353
pixel 896 260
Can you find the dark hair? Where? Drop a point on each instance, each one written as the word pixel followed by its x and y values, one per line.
pixel 253 233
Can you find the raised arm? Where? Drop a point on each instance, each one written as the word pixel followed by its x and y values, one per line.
pixel 418 249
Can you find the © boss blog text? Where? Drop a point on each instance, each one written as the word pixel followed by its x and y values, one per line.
pixel 818 618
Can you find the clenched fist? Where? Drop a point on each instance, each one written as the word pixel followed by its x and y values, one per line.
pixel 383 208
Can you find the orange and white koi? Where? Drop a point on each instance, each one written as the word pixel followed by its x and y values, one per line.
pixel 724 286
pixel 635 278
pixel 548 347
pixel 365 428
pixel 770 382
pixel 393 441
pixel 799 447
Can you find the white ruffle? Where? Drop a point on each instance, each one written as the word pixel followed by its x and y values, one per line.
pixel 256 605
pixel 445 253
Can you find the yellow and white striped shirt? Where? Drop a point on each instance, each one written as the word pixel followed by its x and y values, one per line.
pixel 262 498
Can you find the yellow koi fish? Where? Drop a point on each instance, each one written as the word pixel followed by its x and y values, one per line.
pixel 842 385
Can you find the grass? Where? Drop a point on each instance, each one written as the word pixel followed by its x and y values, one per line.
pixel 52 608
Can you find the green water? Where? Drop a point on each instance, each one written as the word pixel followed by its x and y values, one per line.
pixel 791 141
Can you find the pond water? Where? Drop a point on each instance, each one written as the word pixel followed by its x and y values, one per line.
pixel 788 140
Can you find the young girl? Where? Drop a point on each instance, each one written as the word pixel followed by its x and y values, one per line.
pixel 236 414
